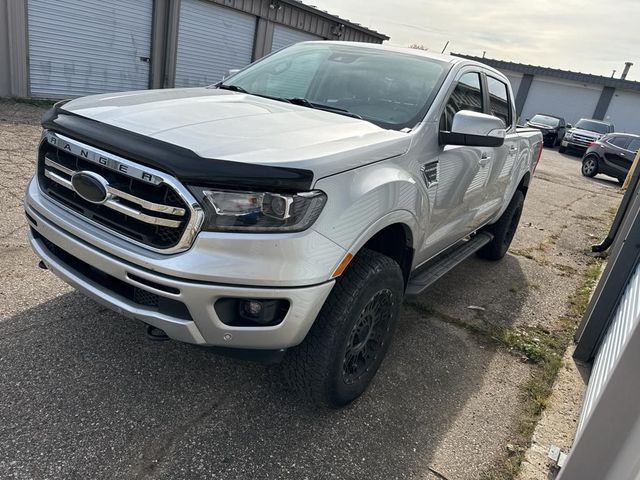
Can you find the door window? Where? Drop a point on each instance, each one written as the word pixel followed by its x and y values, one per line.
pixel 634 146
pixel 499 100
pixel 466 96
pixel 620 142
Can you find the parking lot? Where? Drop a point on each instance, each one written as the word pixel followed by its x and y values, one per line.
pixel 86 395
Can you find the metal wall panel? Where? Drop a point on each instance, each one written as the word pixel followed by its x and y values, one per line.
pixel 211 41
pixel 623 111
pixel 626 318
pixel 81 47
pixel 285 36
pixel 566 99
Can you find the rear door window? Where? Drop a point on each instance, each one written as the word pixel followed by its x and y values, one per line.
pixel 620 142
pixel 499 100
pixel 634 146
pixel 466 96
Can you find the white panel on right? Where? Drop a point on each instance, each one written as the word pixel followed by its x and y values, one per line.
pixel 569 100
pixel 624 321
pixel 624 111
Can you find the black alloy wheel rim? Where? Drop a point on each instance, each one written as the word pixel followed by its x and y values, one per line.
pixel 368 336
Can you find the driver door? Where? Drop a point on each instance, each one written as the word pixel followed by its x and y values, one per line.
pixel 462 173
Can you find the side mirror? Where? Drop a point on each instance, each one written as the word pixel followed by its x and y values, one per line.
pixel 526 119
pixel 474 130
pixel 569 126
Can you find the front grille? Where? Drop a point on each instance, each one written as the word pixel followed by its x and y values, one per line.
pixel 150 300
pixel 582 140
pixel 150 213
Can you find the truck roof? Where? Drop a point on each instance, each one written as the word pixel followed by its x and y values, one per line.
pixel 411 51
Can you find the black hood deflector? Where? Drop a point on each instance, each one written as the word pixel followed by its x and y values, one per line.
pixel 182 163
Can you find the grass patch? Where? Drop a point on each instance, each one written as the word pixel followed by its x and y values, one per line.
pixel 544 349
pixel 36 102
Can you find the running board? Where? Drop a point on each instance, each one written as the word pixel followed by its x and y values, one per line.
pixel 446 262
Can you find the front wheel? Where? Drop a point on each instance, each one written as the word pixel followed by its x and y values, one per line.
pixel 343 350
pixel 504 229
pixel 590 166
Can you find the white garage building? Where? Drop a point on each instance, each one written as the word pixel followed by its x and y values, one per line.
pixel 68 48
pixel 571 95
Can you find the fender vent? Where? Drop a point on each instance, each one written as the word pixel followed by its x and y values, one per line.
pixel 430 174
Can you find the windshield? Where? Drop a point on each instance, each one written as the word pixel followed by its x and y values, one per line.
pixel 545 120
pixel 593 126
pixel 393 90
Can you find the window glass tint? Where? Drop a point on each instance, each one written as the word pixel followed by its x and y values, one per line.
pixel 466 96
pixel 545 120
pixel 593 126
pixel 621 142
pixel 499 100
pixel 393 90
pixel 634 146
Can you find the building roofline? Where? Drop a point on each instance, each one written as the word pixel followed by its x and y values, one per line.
pixel 335 18
pixel 556 73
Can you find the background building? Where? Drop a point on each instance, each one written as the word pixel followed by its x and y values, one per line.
pixel 571 95
pixel 67 48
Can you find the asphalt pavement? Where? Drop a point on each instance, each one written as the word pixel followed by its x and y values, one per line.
pixel 84 394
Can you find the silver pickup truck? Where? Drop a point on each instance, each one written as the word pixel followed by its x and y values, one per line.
pixel 288 210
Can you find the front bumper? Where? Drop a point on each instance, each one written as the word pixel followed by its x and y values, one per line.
pixel 200 324
pixel 576 144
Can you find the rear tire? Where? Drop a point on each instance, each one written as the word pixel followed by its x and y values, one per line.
pixel 348 341
pixel 590 166
pixel 504 229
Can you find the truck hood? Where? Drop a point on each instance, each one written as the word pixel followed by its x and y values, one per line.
pixel 224 125
pixel 586 133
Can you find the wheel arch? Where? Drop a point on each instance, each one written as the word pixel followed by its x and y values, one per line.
pixel 393 236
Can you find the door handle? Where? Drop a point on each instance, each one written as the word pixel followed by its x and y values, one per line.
pixel 513 149
pixel 484 160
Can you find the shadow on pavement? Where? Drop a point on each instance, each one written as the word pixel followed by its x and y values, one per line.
pixel 86 395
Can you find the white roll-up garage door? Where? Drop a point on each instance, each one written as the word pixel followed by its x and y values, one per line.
pixel 211 41
pixel 81 47
pixel 285 36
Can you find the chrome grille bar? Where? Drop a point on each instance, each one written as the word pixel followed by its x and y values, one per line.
pixel 113 202
pixel 146 204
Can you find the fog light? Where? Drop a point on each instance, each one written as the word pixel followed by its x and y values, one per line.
pixel 251 312
pixel 251 308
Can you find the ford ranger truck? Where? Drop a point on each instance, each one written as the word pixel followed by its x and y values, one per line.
pixel 289 209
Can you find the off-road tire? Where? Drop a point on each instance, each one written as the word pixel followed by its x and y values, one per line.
pixel 590 166
pixel 504 229
pixel 317 368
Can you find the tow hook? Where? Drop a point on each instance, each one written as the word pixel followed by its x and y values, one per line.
pixel 42 265
pixel 156 334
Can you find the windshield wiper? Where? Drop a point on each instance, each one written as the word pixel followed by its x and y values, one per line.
pixel 233 88
pixel 320 106
pixel 303 102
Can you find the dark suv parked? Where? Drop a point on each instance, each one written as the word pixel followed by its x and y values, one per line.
pixel 612 155
pixel 553 128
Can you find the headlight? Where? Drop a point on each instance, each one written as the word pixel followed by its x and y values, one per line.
pixel 233 211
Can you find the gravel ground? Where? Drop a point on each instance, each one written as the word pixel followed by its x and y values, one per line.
pixel 86 395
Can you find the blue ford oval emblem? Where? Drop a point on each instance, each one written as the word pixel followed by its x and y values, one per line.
pixel 90 186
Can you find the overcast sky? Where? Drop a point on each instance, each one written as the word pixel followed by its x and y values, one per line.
pixel 591 36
